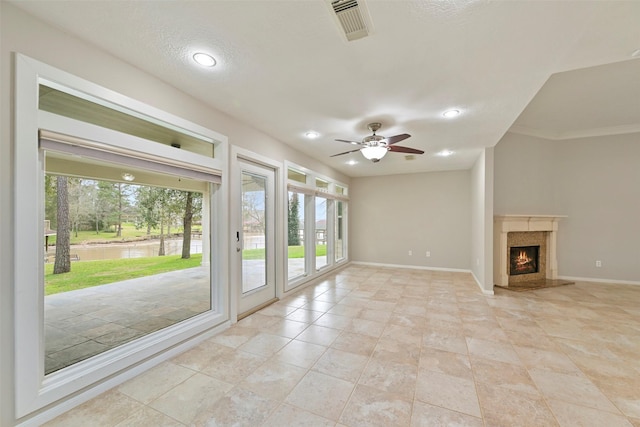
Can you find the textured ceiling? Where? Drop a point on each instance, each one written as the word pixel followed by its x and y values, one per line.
pixel 285 68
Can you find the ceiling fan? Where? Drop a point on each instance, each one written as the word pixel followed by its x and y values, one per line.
pixel 375 147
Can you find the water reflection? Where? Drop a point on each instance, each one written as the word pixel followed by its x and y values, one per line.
pixel 126 250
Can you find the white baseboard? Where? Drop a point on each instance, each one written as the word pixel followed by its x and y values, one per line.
pixel 413 267
pixel 484 291
pixel 592 279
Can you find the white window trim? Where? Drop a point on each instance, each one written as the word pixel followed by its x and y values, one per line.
pixel 34 391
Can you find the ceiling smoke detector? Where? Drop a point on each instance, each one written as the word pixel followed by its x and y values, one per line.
pixel 353 17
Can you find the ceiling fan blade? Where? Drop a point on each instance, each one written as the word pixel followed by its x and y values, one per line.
pixel 350 142
pixel 346 152
pixel 399 149
pixel 393 139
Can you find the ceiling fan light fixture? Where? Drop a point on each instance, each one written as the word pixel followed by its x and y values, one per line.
pixel 374 152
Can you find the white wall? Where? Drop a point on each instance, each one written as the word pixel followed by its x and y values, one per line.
pixel 481 257
pixel 24 34
pixel 595 181
pixel 392 215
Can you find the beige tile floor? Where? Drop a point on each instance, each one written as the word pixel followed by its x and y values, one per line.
pixel 393 347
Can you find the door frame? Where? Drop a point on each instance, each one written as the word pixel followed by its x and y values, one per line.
pixel 235 259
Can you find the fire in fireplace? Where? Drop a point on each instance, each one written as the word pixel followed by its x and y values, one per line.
pixel 523 260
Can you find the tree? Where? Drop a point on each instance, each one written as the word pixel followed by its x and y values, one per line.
pixel 186 226
pixel 80 194
pixel 63 233
pixel 147 198
pixel 50 200
pixel 294 225
pixel 253 211
pixel 120 197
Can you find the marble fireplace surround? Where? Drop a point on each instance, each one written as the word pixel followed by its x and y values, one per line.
pixel 504 224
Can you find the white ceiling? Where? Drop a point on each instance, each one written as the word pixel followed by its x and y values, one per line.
pixel 284 67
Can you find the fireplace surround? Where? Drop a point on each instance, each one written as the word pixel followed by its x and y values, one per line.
pixel 519 231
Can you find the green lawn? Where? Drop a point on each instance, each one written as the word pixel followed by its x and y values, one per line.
pixel 294 252
pixel 85 274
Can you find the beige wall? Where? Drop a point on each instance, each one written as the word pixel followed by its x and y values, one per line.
pixel 595 181
pixel 23 34
pixel 392 215
pixel 481 212
pixel 524 176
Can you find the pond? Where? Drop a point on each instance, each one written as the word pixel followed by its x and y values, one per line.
pixel 148 248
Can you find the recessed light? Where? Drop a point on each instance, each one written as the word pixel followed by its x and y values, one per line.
pixel 204 59
pixel 451 113
pixel 312 134
pixel 352 162
pixel 444 153
pixel 128 177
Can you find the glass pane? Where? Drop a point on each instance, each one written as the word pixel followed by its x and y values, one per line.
pixel 322 185
pixel 122 258
pixel 321 232
pixel 339 189
pixel 254 201
pixel 296 235
pixel 294 175
pixel 339 230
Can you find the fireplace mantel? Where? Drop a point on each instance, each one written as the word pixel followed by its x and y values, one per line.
pixel 504 224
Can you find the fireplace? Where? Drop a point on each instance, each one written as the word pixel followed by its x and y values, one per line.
pixel 524 249
pixel 523 260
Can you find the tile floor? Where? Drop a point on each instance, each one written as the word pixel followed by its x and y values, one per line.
pixel 393 347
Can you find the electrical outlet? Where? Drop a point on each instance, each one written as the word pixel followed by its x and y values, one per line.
pixel 410 253
pixel 598 263
pixel 428 254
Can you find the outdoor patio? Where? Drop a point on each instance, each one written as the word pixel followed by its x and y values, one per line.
pixel 82 323
pixel 86 322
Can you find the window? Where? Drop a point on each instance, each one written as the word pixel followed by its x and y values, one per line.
pixel 111 237
pixel 340 230
pixel 296 176
pixel 122 155
pixel 321 232
pixel 322 185
pixel 316 224
pixel 296 260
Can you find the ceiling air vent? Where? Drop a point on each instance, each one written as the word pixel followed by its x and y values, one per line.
pixel 352 18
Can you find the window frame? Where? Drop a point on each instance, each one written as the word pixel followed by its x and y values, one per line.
pixel 34 390
pixel 310 192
